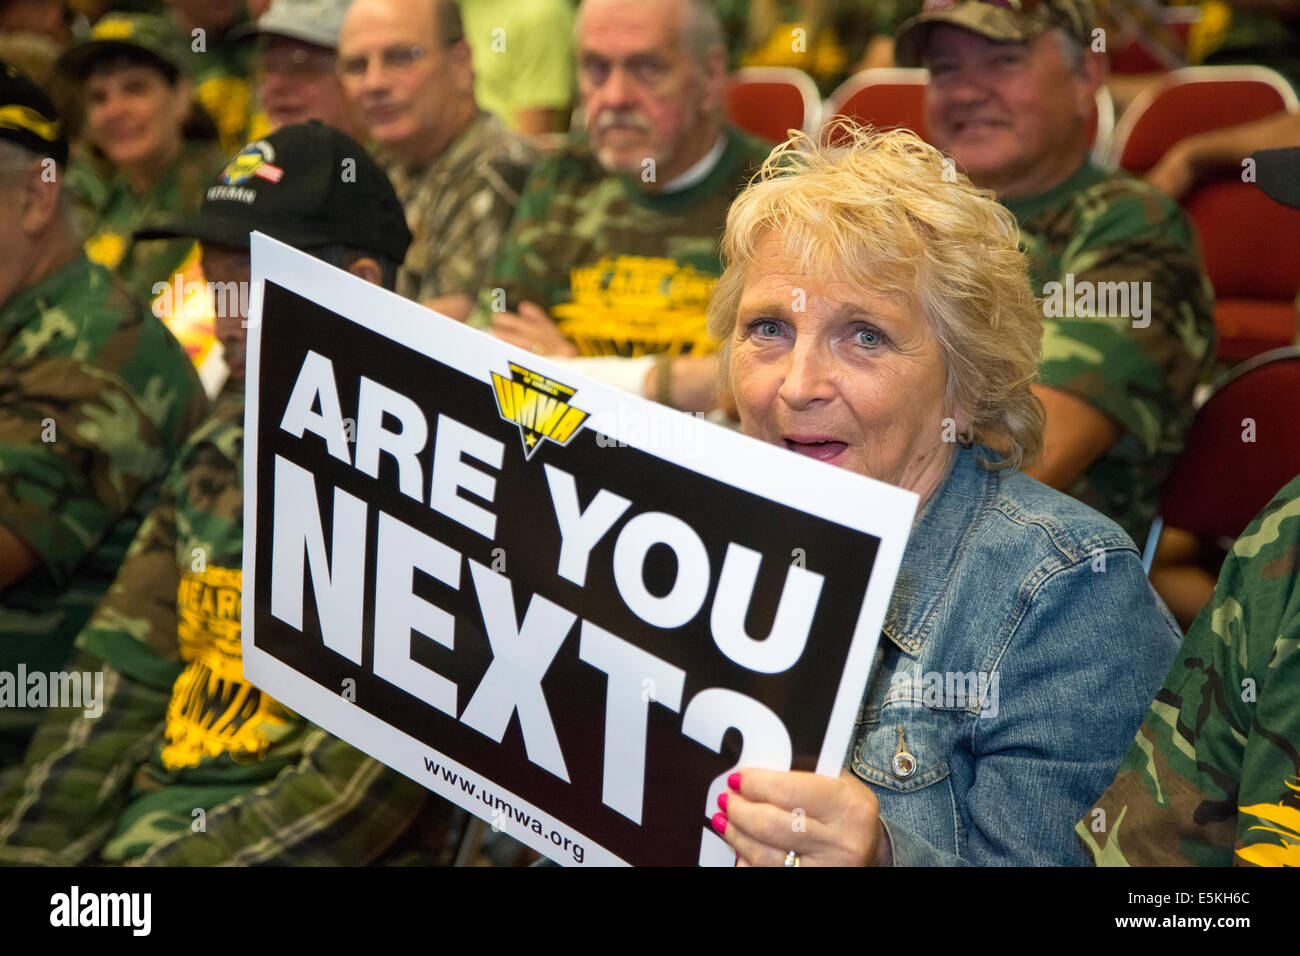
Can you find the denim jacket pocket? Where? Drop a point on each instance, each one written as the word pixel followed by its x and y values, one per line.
pixel 903 757
pixel 905 750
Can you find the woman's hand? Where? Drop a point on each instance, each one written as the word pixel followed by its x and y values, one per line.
pixel 828 821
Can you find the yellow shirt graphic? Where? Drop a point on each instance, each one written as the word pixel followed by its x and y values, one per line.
pixel 637 305
pixel 214 710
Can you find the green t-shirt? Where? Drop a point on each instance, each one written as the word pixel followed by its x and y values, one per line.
pixel 523 54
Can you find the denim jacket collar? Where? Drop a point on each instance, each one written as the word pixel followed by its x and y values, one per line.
pixel 938 537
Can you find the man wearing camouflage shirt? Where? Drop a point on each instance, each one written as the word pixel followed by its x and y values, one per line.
pixel 96 397
pixel 190 764
pixel 1128 310
pixel 613 253
pixel 1213 776
pixel 406 67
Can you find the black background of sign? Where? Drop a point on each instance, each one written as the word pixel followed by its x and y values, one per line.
pixel 678 770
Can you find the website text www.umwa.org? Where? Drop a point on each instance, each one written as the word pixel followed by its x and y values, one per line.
pixel 504 813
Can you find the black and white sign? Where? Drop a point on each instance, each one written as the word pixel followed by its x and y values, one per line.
pixel 568 610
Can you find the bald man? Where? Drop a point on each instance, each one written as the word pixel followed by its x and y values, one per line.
pixel 458 172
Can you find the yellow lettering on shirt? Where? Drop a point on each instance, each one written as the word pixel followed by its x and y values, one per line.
pixel 214 710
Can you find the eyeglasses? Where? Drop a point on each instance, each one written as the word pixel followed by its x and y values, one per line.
pixel 394 58
pixel 297 64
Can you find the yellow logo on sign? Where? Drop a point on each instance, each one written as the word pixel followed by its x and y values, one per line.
pixel 539 406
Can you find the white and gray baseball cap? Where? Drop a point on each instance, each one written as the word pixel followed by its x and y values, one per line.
pixel 311 21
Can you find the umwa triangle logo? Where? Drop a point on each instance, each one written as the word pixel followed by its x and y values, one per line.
pixel 539 406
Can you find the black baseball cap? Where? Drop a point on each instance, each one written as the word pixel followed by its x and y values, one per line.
pixel 307 185
pixel 28 118
pixel 1277 173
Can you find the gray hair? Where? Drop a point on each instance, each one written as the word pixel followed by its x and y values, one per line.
pixel 701 28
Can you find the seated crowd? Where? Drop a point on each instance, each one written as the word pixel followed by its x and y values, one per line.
pixel 659 249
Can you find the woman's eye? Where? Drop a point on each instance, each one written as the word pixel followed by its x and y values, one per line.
pixel 869 338
pixel 766 328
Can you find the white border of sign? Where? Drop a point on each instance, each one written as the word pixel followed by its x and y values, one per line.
pixel 717 452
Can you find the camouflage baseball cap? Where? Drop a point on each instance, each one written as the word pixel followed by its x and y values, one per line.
pixel 27 117
pixel 1004 21
pixel 307 185
pixel 138 36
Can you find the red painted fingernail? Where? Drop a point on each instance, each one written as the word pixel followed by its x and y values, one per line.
pixel 734 781
pixel 722 801
pixel 720 823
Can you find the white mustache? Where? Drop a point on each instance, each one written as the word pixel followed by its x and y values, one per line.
pixel 627 119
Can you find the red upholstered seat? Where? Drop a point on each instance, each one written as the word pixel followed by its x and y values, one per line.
pixel 1251 244
pixel 1222 480
pixel 768 101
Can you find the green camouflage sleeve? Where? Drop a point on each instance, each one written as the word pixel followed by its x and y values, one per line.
pixel 465 247
pixel 1129 327
pixel 76 448
pixel 522 272
pixel 1211 777
pixel 335 807
pixel 135 624
pixel 78 771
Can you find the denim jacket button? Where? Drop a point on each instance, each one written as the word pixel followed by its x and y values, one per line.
pixel 904 765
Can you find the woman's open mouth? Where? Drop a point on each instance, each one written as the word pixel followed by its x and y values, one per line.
pixel 815 446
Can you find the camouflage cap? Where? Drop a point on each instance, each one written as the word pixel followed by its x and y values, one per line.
pixel 307 185
pixel 1004 21
pixel 137 36
pixel 28 118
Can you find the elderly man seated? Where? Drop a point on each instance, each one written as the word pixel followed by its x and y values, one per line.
pixel 1127 309
pixel 613 251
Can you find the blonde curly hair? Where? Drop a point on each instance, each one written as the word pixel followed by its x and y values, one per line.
pixel 887 211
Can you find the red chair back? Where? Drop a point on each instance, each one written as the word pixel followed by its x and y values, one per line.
pixel 887 98
pixel 1194 100
pixel 769 101
pixel 1243 446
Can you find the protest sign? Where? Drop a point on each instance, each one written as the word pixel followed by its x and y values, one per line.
pixel 570 611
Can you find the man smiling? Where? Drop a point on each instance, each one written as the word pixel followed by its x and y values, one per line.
pixel 1011 94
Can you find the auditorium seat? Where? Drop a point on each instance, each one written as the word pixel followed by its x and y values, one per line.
pixel 766 101
pixel 1251 244
pixel 1242 447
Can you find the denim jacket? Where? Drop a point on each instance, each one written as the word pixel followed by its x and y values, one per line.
pixel 1020 651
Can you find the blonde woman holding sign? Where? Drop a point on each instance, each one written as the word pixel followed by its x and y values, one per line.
pixel 876 315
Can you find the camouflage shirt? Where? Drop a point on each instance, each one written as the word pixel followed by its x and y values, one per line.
pixel 1213 776
pixel 1128 327
pixel 111 211
pixel 458 208
pixel 620 270
pixel 96 397
pixel 221 68
pixel 181 728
